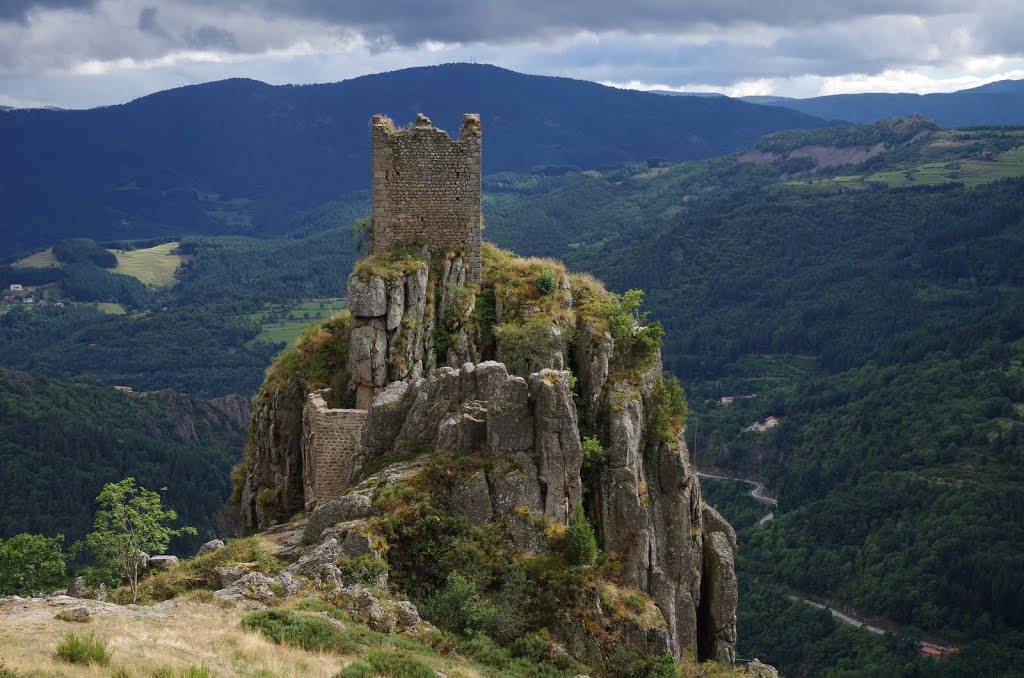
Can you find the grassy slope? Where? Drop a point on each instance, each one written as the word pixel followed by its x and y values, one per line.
pixel 153 266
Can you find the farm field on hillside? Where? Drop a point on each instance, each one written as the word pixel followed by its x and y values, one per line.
pixel 285 322
pixel 153 266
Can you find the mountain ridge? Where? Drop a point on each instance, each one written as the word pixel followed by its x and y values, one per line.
pixel 238 156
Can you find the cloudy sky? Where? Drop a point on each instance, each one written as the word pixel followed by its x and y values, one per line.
pixel 81 53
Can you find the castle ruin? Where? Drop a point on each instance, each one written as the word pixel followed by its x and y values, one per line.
pixel 426 191
pixel 426 188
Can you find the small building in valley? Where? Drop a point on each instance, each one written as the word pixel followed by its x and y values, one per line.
pixel 17 287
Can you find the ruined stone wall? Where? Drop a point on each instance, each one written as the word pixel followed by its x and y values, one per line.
pixel 426 188
pixel 332 449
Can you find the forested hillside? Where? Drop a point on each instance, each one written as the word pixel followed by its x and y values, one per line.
pixel 241 156
pixel 61 441
pixel 883 326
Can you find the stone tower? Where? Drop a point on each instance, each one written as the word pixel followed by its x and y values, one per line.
pixel 426 188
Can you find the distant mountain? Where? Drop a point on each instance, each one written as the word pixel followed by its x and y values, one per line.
pixel 241 156
pixel 670 93
pixel 997 103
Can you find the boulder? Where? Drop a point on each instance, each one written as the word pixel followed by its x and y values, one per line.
pixel 357 544
pixel 514 485
pixel 472 499
pixel 351 506
pixel 320 563
pixel 509 418
pixel 76 588
pixel 162 562
pixel 75 614
pixel 253 586
pixel 367 298
pixel 385 417
pixel 210 547
pixel 758 669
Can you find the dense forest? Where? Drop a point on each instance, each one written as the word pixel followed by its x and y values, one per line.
pixel 61 441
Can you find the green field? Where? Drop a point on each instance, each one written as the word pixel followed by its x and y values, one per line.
pixel 285 322
pixel 154 266
pixel 44 259
pixel 110 308
pixel 968 172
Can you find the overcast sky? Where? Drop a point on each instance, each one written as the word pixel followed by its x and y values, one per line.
pixel 81 53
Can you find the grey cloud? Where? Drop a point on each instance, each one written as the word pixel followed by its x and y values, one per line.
pixel 17 10
pixel 413 21
pixel 212 37
pixel 148 23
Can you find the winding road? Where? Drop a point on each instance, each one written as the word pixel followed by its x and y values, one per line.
pixel 852 621
pixel 757 491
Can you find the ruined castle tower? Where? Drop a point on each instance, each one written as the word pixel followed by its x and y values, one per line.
pixel 426 188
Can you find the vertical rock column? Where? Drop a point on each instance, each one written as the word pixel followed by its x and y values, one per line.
pixel 367 354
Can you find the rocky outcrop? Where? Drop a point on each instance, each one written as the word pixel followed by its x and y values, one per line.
pixel 233 406
pixel 402 320
pixel 653 520
pixel 272 485
pixel 720 592
pixel 528 429
pixel 509 438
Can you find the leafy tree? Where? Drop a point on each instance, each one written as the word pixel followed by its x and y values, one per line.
pixel 131 520
pixel 31 564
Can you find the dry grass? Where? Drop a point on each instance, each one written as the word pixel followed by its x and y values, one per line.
pixel 44 259
pixel 142 643
pixel 153 266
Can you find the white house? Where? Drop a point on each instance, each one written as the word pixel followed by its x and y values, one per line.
pixel 16 287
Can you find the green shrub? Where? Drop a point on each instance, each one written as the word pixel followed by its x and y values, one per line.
pixel 486 651
pixel 580 542
pixel 396 665
pixel 190 672
pixel 594 454
pixel 290 628
pixel 89 649
pixel 524 348
pixel 318 605
pixel 362 570
pixel 670 411
pixel 357 669
pixel 547 281
pixel 458 607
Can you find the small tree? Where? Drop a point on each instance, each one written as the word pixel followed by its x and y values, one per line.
pixel 580 542
pixel 131 520
pixel 31 564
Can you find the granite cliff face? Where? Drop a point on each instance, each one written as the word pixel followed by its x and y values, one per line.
pixel 572 363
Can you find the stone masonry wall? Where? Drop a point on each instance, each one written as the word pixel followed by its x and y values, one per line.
pixel 332 449
pixel 426 188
